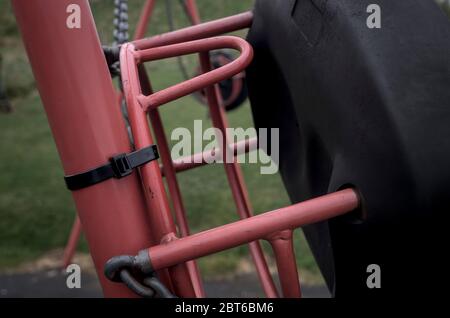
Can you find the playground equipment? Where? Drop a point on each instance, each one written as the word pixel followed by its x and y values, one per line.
pixel 353 198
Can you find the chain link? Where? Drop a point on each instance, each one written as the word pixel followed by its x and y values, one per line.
pixel 133 271
pixel 120 22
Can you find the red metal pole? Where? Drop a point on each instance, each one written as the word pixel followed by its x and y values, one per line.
pixel 202 158
pixel 235 178
pixel 283 249
pixel 194 16
pixel 144 19
pixel 71 245
pixel 174 190
pixel 70 248
pixel 254 228
pixel 161 221
pixel 81 105
pixel 200 31
pixel 163 147
pixel 175 195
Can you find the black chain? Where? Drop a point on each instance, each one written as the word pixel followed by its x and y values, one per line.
pixel 120 35
pixel 134 272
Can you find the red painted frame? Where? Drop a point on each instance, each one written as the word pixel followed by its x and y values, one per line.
pixel 127 215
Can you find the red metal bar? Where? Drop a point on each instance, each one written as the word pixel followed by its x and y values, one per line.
pixel 175 195
pixel 201 81
pixel 254 228
pixel 71 245
pixel 283 248
pixel 144 19
pixel 198 82
pixel 141 28
pixel 202 158
pixel 173 187
pixel 200 31
pixel 235 179
pixel 191 6
pixel 161 221
pixel 81 106
pixel 172 183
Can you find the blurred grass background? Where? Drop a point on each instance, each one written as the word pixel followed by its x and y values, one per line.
pixel 36 210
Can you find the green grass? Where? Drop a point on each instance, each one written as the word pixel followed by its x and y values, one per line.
pixel 36 210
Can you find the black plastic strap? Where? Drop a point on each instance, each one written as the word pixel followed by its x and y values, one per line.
pixel 118 167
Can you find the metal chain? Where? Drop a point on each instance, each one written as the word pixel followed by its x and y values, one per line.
pixel 120 22
pixel 133 272
pixel 121 36
pixel 120 32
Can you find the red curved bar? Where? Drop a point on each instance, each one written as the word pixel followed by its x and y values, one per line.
pixel 187 87
pixel 199 31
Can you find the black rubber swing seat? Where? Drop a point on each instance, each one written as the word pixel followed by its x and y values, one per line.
pixel 366 108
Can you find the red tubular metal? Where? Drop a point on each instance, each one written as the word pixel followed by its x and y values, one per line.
pixel 69 251
pixel 257 227
pixel 173 256
pixel 187 87
pixel 200 31
pixel 208 78
pixel 235 179
pixel 202 158
pixel 144 19
pixel 192 9
pixel 161 224
pixel 172 183
pixel 283 249
pixel 158 129
pixel 175 195
pixel 81 106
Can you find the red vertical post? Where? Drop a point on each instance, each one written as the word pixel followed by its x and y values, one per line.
pixel 191 6
pixel 235 178
pixel 141 27
pixel 74 236
pixel 144 19
pixel 175 194
pixel 85 119
pixel 283 249
pixel 171 179
pixel 162 224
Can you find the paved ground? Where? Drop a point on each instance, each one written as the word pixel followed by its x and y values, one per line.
pixel 51 283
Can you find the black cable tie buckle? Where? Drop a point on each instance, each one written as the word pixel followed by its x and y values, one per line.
pixel 118 167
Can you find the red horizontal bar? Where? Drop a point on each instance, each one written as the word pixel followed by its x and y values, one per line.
pixel 201 81
pixel 199 31
pixel 253 228
pixel 200 159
